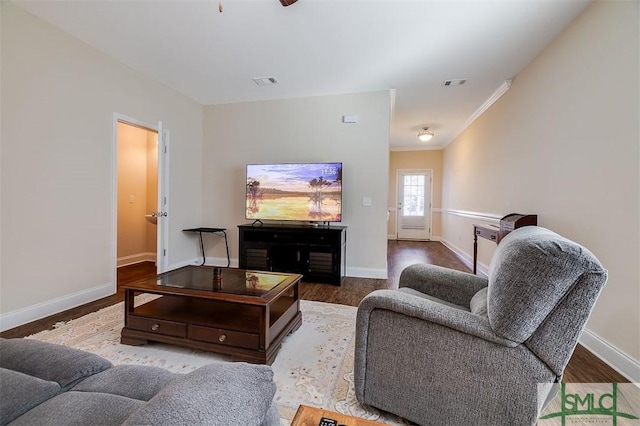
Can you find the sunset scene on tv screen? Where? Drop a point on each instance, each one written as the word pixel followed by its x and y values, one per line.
pixel 302 192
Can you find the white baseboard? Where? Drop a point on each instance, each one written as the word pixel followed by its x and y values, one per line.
pixel 614 357
pixel 482 269
pixel 222 261
pixel 41 310
pixel 366 273
pixel 136 258
pixel 213 261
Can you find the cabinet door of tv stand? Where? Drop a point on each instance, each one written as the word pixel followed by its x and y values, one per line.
pixel 318 253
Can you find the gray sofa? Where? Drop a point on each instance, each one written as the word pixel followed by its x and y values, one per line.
pixel 451 348
pixel 47 384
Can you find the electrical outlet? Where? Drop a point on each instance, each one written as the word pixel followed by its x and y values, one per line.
pixel 366 201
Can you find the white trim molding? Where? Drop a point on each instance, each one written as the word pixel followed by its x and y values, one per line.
pixel 41 310
pixel 501 90
pixel 137 258
pixel 366 273
pixel 488 217
pixel 614 357
pixel 482 269
pixel 219 261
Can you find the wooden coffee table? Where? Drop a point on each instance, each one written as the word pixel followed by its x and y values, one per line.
pixel 311 416
pixel 245 314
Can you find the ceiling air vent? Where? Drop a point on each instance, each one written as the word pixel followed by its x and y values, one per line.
pixel 265 81
pixel 458 82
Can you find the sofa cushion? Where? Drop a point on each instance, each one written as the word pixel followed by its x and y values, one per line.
pixel 82 409
pixel 21 392
pixel 232 393
pixel 478 304
pixel 50 362
pixel 131 381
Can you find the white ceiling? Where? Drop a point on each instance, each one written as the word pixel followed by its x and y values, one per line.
pixel 320 47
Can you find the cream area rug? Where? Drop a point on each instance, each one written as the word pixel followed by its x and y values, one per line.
pixel 314 366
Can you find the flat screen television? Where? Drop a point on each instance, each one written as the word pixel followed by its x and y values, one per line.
pixel 294 192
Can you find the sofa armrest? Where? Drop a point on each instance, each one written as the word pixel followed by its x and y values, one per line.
pixel 221 393
pixel 443 283
pixel 427 310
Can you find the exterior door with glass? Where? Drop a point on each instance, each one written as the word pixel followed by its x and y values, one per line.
pixel 414 204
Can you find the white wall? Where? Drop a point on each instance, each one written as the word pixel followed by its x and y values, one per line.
pixel 564 143
pixel 58 102
pixel 302 130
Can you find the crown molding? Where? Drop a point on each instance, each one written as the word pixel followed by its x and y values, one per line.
pixel 501 90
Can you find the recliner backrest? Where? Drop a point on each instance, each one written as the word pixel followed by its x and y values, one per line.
pixel 532 274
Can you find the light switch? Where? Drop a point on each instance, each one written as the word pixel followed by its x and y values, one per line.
pixel 132 199
pixel 366 201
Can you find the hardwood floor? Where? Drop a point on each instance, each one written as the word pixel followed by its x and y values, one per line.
pixel 584 367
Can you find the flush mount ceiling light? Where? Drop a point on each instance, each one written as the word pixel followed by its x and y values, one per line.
pixel 425 134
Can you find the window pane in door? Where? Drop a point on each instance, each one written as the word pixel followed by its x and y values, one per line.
pixel 413 202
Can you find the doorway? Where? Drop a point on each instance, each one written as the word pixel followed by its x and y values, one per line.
pixel 141 214
pixel 414 204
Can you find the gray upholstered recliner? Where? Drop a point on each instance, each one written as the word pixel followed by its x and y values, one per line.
pixel 453 348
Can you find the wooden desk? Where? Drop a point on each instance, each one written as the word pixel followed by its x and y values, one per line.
pixel 490 232
pixel 310 416
pixel 495 233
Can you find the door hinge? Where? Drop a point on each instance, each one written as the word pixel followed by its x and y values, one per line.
pixel 164 252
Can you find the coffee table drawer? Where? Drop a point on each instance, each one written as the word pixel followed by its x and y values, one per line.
pixel 167 328
pixel 224 337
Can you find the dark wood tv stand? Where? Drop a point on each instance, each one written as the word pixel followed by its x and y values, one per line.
pixel 316 252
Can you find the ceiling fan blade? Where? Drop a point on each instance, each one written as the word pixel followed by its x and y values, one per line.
pixel 287 2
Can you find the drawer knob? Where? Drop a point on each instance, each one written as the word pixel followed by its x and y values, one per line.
pixel 222 338
pixel 155 327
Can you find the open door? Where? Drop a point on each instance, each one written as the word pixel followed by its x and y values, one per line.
pixel 141 196
pixel 162 213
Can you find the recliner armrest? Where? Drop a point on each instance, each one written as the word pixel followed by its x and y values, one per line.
pixel 447 284
pixel 427 310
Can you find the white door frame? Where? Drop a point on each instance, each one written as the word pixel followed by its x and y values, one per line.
pixel 428 202
pixel 163 190
pixel 163 199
